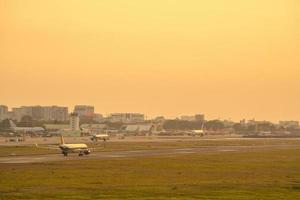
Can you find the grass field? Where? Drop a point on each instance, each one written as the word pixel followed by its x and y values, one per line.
pixel 261 174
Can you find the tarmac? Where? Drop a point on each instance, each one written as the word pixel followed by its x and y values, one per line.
pixel 97 155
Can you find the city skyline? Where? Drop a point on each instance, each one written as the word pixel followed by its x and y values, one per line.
pixel 228 59
pixel 160 99
pixel 147 117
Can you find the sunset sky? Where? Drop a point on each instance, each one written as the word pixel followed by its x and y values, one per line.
pixel 225 58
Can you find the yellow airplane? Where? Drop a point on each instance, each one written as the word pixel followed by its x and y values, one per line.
pixel 81 149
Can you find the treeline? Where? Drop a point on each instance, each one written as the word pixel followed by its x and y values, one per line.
pixel 215 125
pixel 218 125
pixel 239 128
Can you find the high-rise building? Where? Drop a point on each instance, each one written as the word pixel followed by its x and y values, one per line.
pixel 60 113
pixel 3 111
pixel 84 110
pixel 37 112
pixel 21 112
pixel 127 117
pixel 74 122
pixel 42 113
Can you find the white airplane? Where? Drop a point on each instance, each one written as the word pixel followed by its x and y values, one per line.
pixel 199 132
pixel 14 128
pixel 80 148
pixel 97 137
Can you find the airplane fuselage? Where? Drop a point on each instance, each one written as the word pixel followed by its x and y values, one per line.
pixel 97 137
pixel 14 128
pixel 74 148
pixel 27 129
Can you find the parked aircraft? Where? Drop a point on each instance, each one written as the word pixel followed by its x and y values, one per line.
pixel 199 132
pixel 97 137
pixel 14 128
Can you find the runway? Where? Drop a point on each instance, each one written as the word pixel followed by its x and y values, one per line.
pixel 140 153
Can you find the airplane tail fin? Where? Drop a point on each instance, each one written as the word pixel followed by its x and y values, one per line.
pixel 202 128
pixel 12 124
pixel 62 141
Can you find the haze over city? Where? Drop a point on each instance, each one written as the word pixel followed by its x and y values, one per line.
pixel 156 99
pixel 227 59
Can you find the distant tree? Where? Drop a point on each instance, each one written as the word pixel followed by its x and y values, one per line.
pixel 214 125
pixel 26 121
pixel 51 122
pixel 251 128
pixel 182 125
pixel 114 125
pixel 4 124
pixel 266 127
pixel 239 128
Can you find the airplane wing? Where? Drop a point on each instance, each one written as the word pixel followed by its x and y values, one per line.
pixel 47 147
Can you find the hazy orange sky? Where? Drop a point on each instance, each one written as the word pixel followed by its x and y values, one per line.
pixel 225 58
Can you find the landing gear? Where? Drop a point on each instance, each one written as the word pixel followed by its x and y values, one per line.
pixel 65 153
pixel 87 152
